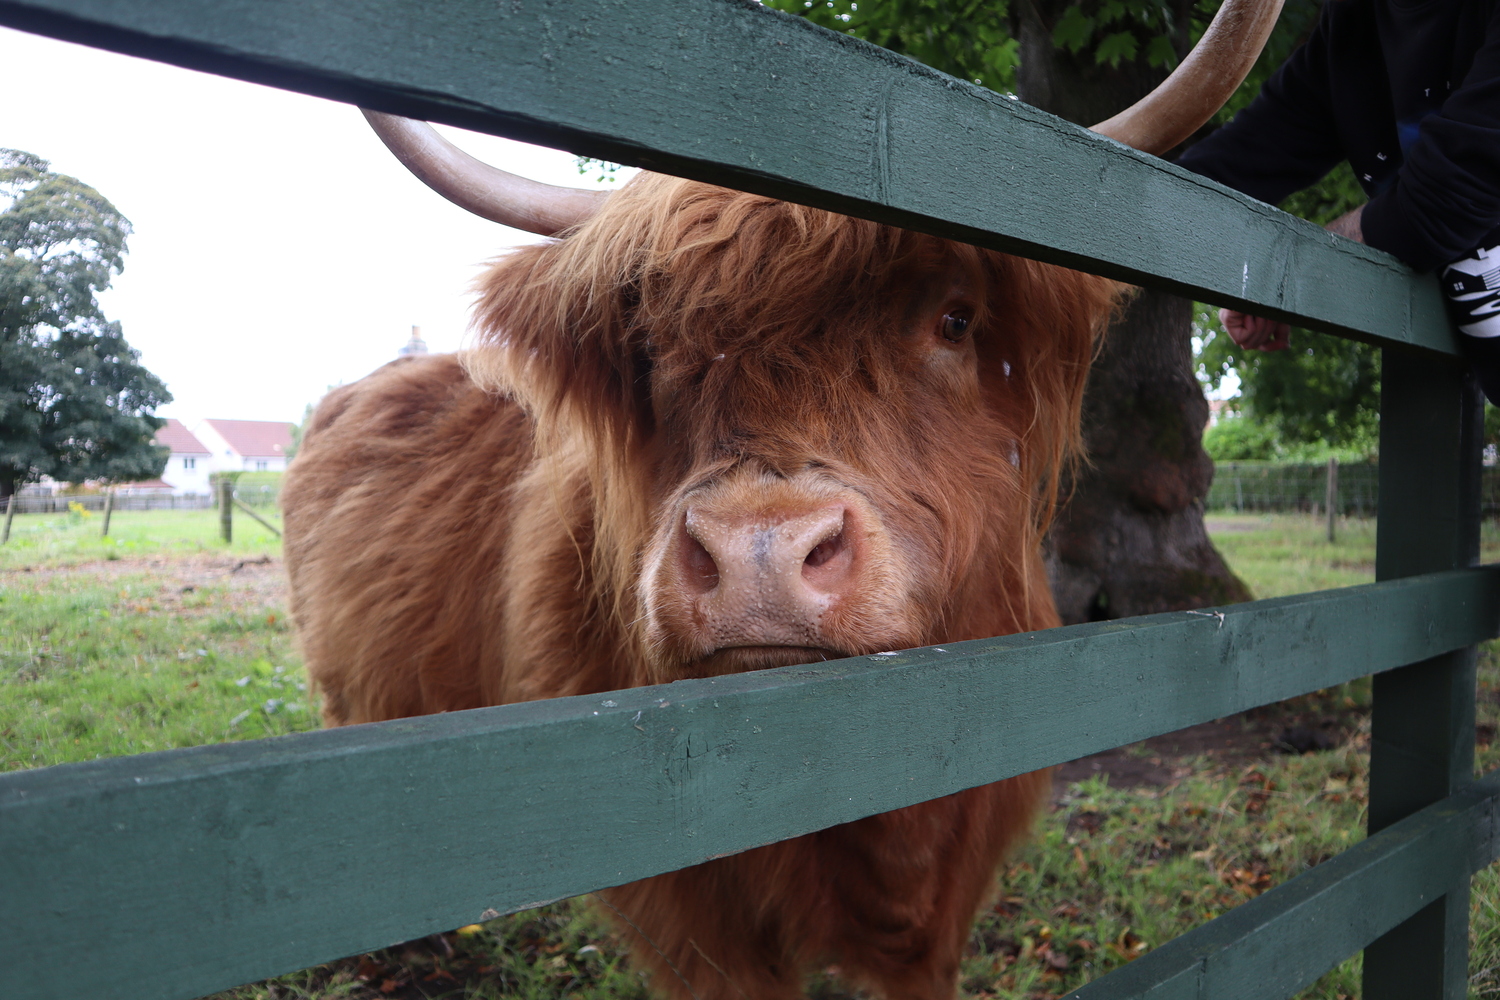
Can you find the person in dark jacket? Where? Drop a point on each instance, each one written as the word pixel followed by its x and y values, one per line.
pixel 1408 91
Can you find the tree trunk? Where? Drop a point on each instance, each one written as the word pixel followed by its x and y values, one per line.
pixel 1131 538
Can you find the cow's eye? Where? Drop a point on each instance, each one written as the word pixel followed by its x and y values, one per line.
pixel 954 326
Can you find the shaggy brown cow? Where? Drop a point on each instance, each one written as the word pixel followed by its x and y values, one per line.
pixel 707 432
pixel 712 432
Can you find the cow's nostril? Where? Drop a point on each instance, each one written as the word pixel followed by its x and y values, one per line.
pixel 699 569
pixel 825 550
pixel 826 568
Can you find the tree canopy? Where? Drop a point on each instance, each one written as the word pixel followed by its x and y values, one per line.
pixel 979 40
pixel 75 402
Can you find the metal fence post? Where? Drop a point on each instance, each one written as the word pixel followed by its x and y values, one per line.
pixel 1422 735
pixel 10 512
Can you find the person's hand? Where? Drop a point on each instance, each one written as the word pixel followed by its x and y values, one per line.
pixel 1350 225
pixel 1255 333
pixel 1259 334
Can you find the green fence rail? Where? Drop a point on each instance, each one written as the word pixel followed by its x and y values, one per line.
pixel 223 864
pixel 456 816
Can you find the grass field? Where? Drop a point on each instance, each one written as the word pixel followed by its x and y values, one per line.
pixel 161 636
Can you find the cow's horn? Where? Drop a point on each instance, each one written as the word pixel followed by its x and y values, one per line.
pixel 1201 83
pixel 544 209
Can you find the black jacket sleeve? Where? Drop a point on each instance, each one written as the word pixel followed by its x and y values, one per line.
pixel 1446 197
pixel 1286 139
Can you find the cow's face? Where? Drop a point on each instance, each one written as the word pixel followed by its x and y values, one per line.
pixel 810 436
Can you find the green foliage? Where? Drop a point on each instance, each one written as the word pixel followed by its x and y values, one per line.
pixel 1236 439
pixel 977 40
pixel 75 403
pixel 604 172
pixel 970 39
pixel 1320 396
pixel 259 489
pixel 299 429
pixel 1335 195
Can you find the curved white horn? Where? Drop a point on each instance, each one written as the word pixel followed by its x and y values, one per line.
pixel 544 209
pixel 1201 83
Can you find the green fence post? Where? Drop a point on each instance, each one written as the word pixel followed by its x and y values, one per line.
pixel 1422 735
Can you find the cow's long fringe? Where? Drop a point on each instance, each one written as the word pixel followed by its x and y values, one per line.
pixel 672 273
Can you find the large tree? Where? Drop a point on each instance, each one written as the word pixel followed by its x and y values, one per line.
pixel 1131 539
pixel 75 402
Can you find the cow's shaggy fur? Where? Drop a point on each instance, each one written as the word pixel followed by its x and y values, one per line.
pixel 490 530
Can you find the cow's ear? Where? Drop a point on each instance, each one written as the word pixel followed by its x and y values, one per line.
pixel 553 329
pixel 1056 318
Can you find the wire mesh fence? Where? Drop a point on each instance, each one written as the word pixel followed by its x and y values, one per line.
pixel 1303 486
pixel 253 495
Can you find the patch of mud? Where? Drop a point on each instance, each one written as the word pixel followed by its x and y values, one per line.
pixel 260 579
pixel 1294 727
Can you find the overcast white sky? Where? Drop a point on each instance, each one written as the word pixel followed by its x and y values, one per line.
pixel 279 248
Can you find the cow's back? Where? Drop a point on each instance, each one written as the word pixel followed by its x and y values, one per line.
pixel 397 522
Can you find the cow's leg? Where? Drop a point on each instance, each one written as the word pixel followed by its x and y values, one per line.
pixel 909 883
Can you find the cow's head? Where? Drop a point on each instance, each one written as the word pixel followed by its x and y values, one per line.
pixel 802 435
pixel 806 435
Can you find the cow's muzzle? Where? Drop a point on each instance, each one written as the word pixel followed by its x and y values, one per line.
pixel 761 571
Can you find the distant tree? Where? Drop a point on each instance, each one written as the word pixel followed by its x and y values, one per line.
pixel 75 403
pixel 1237 439
pixel 299 429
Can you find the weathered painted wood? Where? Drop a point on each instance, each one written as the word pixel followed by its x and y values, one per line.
pixel 730 92
pixel 199 869
pixel 1422 726
pixel 1282 941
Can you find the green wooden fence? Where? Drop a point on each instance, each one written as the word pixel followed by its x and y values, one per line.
pixel 200 869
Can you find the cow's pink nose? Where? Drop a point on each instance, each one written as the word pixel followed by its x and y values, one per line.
pixel 768 581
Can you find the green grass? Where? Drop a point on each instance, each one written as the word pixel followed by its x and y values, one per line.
pixel 1280 554
pixel 52 540
pixel 161 636
pixel 147 640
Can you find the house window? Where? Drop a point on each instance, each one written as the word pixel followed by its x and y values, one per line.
pixel 260 466
pixel 189 463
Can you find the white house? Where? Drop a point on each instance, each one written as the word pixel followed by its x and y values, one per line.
pixel 188 467
pixel 245 445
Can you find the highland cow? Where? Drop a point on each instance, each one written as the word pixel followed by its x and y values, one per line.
pixel 709 431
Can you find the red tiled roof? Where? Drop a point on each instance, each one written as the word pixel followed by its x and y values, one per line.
pixel 255 438
pixel 180 439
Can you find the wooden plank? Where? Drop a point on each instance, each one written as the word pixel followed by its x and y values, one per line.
pixel 1422 726
pixel 1282 941
pixel 730 92
pixel 199 869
